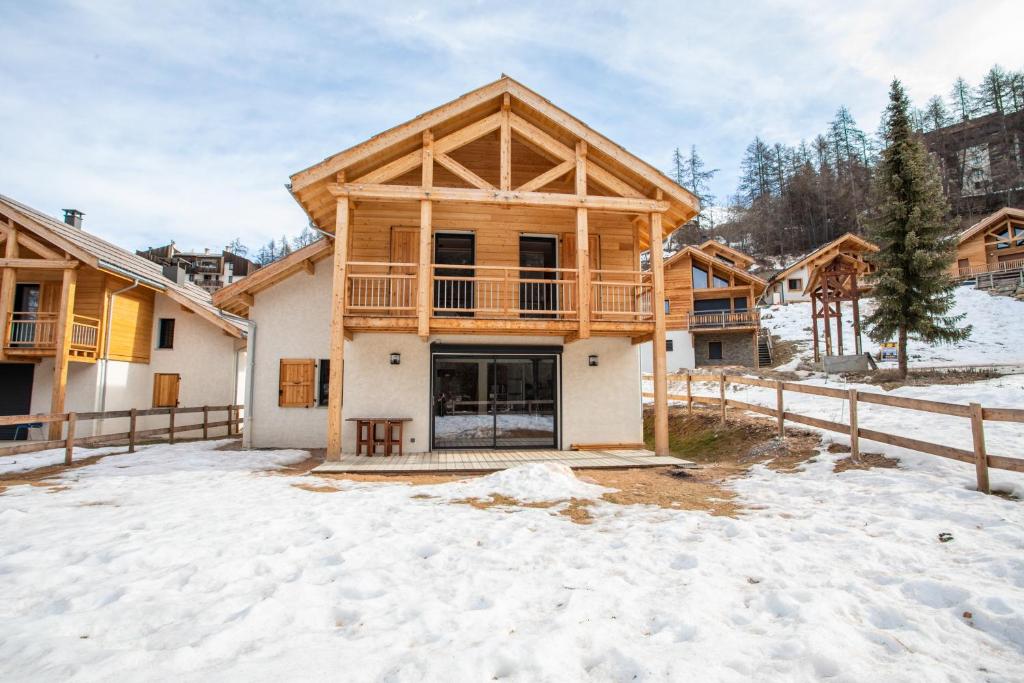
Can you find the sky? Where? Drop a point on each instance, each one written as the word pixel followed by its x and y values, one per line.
pixel 184 120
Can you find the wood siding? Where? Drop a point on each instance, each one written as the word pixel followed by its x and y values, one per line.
pixel 131 324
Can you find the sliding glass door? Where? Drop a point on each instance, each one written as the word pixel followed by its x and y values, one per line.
pixel 492 401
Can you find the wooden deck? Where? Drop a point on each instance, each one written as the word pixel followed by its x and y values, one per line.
pixel 491 461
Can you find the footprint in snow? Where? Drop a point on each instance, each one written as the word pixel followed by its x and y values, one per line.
pixel 684 562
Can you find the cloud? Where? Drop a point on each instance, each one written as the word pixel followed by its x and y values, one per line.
pixel 183 120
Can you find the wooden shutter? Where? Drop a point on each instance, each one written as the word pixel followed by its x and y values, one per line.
pixel 165 389
pixel 405 248
pixel 295 388
pixel 569 251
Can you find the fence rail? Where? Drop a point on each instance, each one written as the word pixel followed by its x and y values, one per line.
pixel 234 421
pixel 976 413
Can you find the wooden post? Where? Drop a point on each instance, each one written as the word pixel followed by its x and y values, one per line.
pixel 69 443
pixel 206 422
pixel 858 344
pixel 170 431
pixel 8 286
pixel 62 334
pixel 980 457
pixel 839 325
pixel 232 411
pixel 582 243
pixel 721 393
pixel 658 351
pixel 132 415
pixel 689 396
pixel 854 429
pixel 826 305
pixel 780 409
pixel 505 171
pixel 814 326
pixel 424 271
pixel 337 354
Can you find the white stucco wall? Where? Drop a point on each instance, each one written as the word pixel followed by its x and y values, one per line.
pixel 203 355
pixel 598 405
pixel 679 358
pixel 786 295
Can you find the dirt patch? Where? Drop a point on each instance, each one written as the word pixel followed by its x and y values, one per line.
pixel 867 462
pixel 576 509
pixel 889 379
pixel 316 488
pixel 46 476
pixel 669 487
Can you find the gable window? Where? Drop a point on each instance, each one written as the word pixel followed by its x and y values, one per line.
pixel 1004 239
pixel 714 350
pixel 794 284
pixel 325 381
pixel 668 345
pixel 165 337
pixel 700 278
pixel 725 260
pixel 720 281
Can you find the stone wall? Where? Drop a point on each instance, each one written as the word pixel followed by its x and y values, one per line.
pixel 737 349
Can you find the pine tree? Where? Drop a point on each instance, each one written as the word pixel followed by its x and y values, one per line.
pixel 936 115
pixel 235 246
pixel 992 92
pixel 689 171
pixel 285 248
pixel 961 99
pixel 911 286
pixel 304 238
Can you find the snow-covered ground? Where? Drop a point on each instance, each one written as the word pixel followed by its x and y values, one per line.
pixel 189 563
pixel 998 328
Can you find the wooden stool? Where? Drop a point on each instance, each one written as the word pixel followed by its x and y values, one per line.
pixel 389 437
pixel 364 436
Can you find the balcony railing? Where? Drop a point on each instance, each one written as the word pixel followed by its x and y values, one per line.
pixel 968 272
pixel 719 320
pixel 381 289
pixel 620 295
pixel 500 292
pixel 35 333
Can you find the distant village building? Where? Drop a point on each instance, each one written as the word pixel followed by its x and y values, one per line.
pixel 211 271
pixel 982 163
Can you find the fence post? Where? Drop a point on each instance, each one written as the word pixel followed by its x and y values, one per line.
pixel 689 396
pixel 131 430
pixel 721 393
pixel 780 409
pixel 206 421
pixel 854 430
pixel 170 430
pixel 231 420
pixel 980 457
pixel 69 444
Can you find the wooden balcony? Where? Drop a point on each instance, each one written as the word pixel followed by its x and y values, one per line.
pixel 34 334
pixel 973 272
pixel 723 320
pixel 495 298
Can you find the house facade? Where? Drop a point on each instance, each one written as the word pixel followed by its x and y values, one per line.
pixel 482 280
pixel 206 269
pixel 711 312
pixel 91 327
pixel 791 284
pixel 992 245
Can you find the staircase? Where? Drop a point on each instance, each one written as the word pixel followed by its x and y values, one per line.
pixel 764 348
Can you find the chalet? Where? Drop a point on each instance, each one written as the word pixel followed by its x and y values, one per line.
pixel 481 281
pixel 88 327
pixel 992 245
pixel 209 270
pixel 710 309
pixel 790 284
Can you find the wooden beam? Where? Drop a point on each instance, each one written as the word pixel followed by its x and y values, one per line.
pixel 458 194
pixel 308 265
pixel 427 161
pixel 423 268
pixel 582 242
pixel 37 263
pixel 547 177
pixel 62 332
pixel 463 172
pixel 661 446
pixel 8 283
pixel 37 247
pixel 335 396
pixel 506 144
pixel 246 298
pixel 392 169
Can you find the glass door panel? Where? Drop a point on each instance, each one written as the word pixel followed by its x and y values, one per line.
pixel 534 294
pixel 454 294
pixel 463 410
pixel 525 403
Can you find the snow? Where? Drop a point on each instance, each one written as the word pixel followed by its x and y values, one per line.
pixel 194 563
pixel 55 456
pixel 998 327
pixel 454 427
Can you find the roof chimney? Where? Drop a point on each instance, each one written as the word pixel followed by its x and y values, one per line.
pixel 73 217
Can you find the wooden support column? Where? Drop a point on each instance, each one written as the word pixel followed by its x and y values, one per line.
pixel 858 344
pixel 825 306
pixel 8 282
pixel 62 334
pixel 582 243
pixel 814 326
pixel 424 271
pixel 839 325
pixel 658 350
pixel 506 144
pixel 337 354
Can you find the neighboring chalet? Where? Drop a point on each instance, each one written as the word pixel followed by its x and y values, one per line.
pixel 992 245
pixel 483 282
pixel 88 327
pixel 710 310
pixel 211 271
pixel 790 285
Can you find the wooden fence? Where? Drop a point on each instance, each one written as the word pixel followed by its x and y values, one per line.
pixel 173 431
pixel 974 412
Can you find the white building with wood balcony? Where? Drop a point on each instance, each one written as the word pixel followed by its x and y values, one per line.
pixel 90 327
pixel 481 281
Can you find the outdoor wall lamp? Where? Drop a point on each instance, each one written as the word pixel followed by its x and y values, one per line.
pixel 395 358
pixel 592 361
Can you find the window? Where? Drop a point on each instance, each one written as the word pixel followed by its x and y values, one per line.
pixel 725 260
pixel 325 381
pixel 707 305
pixel 700 278
pixel 714 350
pixel 720 281
pixel 666 306
pixel 165 339
pixel 668 345
pixel 1004 239
pixel 295 383
pixel 795 284
pixel 165 389
pixel 739 303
